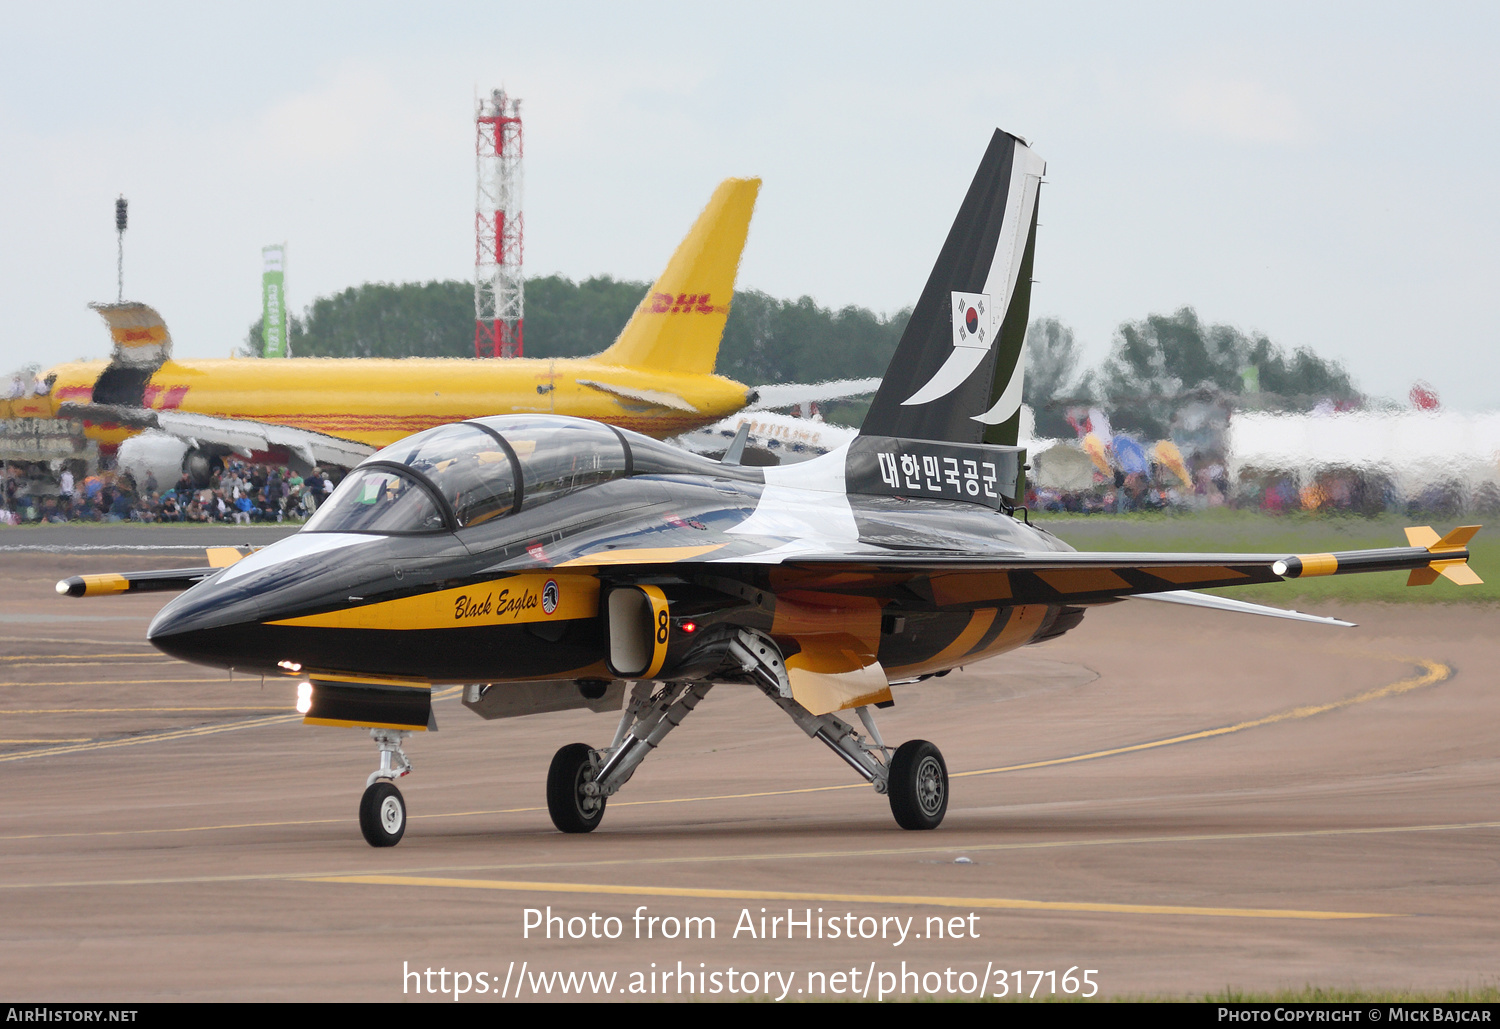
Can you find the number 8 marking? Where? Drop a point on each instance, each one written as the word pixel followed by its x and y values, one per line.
pixel 661 626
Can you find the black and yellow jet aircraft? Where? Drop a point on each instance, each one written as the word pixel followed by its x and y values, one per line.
pixel 548 563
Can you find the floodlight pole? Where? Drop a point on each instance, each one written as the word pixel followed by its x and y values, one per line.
pixel 122 215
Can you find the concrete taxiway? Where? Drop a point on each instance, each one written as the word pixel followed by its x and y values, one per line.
pixel 1181 800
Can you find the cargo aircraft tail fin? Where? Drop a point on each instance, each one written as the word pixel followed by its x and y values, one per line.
pixel 677 327
pixel 956 374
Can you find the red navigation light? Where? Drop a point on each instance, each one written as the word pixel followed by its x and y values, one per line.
pixel 688 627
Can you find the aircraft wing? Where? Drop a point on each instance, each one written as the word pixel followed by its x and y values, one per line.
pixel 786 394
pixel 1102 577
pixel 172 580
pixel 1048 577
pixel 241 436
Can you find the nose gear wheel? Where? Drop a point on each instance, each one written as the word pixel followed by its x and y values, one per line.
pixel 382 814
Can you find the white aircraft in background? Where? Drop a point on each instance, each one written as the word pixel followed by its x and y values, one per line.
pixel 778 438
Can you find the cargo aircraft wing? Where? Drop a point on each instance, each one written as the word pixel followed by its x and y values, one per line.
pixel 241 436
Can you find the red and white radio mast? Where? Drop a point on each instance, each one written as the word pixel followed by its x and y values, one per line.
pixel 499 289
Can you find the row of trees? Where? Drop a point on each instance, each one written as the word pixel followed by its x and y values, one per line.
pixel 765 340
pixel 1153 364
pixel 1157 362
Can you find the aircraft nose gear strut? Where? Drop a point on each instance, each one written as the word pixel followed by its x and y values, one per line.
pixel 393 760
pixel 382 809
pixel 581 779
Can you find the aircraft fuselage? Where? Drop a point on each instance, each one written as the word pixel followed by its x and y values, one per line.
pixel 380 400
pixel 519 597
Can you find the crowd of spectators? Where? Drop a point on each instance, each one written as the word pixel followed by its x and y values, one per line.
pixel 1328 491
pixel 243 493
pixel 1156 490
pixel 239 493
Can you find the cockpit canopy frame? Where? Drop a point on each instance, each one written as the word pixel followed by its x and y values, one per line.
pixel 472 472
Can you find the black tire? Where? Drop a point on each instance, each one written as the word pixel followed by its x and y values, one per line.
pixel 918 785
pixel 570 808
pixel 382 814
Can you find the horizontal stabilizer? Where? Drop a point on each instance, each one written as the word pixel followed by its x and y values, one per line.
pixel 788 394
pixel 1191 599
pixel 659 397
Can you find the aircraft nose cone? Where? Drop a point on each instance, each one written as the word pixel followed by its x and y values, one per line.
pixel 207 625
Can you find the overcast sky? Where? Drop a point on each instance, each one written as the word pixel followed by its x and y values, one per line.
pixel 1326 174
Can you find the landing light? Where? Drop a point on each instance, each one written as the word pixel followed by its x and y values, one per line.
pixel 304 697
pixel 290 666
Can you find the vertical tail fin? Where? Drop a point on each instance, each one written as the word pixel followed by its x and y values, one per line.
pixel 678 326
pixel 140 335
pixel 962 349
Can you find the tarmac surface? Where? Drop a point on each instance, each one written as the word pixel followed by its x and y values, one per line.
pixel 1181 800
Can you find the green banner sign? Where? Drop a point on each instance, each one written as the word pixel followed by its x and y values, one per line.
pixel 273 302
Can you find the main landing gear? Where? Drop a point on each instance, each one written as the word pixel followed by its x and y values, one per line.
pixel 917 784
pixel 382 809
pixel 581 779
pixel 913 776
pixel 573 800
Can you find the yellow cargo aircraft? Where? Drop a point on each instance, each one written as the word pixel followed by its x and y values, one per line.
pixel 657 378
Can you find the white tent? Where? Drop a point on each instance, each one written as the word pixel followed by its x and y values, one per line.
pixel 1061 466
pixel 1415 450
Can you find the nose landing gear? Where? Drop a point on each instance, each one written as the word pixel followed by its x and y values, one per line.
pixel 382 815
pixel 382 809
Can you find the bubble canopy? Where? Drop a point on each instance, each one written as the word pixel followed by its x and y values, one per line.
pixel 453 477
